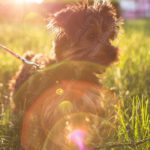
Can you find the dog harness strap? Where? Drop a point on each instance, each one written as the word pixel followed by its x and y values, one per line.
pixel 40 81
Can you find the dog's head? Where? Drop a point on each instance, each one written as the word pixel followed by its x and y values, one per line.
pixel 85 33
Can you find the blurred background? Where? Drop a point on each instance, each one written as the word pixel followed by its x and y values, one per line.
pixel 35 10
pixel 23 27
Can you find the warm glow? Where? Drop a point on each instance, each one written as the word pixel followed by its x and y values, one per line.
pixel 78 137
pixel 28 1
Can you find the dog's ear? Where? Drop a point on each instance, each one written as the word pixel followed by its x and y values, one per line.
pixel 109 20
pixel 69 19
pixel 59 19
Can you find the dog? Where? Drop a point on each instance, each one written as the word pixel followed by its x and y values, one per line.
pixel 83 33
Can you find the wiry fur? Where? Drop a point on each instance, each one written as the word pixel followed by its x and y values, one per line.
pixel 82 33
pixel 25 71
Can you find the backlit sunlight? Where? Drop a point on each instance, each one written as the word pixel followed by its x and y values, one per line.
pixel 28 1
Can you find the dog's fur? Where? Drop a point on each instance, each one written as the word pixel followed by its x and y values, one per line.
pixel 85 33
pixel 82 33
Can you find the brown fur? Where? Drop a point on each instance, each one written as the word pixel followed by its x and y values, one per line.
pixel 82 33
pixel 25 71
pixel 85 33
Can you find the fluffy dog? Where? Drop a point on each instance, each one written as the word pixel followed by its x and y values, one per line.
pixel 83 33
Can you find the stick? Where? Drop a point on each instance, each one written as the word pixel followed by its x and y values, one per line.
pixel 19 57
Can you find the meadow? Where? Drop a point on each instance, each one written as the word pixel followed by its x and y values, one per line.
pixel 129 78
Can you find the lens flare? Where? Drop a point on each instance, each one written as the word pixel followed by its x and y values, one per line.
pixel 28 1
pixel 72 132
pixel 78 137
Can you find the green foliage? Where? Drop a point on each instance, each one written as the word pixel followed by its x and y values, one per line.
pixel 134 122
pixel 33 17
pixel 130 78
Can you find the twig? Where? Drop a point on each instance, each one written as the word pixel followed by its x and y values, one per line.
pixel 24 60
pixel 133 144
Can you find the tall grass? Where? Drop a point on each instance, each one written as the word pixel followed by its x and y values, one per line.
pixel 134 123
pixel 129 78
pixel 20 38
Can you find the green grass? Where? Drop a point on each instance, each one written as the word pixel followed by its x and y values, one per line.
pixel 20 38
pixel 131 75
pixel 129 78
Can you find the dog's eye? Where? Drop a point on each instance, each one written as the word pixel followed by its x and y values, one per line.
pixel 91 36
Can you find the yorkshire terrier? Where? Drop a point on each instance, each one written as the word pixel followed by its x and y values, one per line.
pixel 83 33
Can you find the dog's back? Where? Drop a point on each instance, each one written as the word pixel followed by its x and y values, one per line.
pixel 54 105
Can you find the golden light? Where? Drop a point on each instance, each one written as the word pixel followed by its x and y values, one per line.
pixel 28 1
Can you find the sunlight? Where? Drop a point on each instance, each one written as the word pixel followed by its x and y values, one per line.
pixel 77 137
pixel 28 1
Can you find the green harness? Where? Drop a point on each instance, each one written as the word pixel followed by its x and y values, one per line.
pixel 51 75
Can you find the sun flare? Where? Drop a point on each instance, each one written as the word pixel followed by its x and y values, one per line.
pixel 28 1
